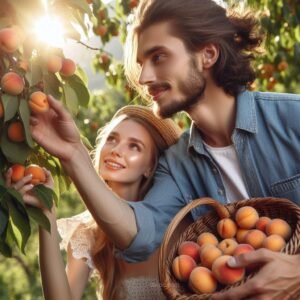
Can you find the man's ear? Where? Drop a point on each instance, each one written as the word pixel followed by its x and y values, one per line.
pixel 209 54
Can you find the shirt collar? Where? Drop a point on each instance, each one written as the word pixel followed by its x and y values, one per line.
pixel 246 114
pixel 245 120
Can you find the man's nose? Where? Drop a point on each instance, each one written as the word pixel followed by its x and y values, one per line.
pixel 147 75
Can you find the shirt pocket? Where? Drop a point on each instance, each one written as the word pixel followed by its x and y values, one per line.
pixel 288 188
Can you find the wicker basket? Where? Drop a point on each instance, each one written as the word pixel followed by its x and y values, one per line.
pixel 271 207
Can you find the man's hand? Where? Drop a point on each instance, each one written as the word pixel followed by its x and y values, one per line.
pixel 56 131
pixel 278 275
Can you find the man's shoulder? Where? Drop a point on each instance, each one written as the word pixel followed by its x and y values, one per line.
pixel 180 148
pixel 276 97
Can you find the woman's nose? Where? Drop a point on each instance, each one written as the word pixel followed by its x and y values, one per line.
pixel 117 150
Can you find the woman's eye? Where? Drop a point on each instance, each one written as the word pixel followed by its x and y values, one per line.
pixel 135 147
pixel 110 139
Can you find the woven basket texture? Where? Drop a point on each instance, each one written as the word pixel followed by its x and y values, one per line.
pixel 270 207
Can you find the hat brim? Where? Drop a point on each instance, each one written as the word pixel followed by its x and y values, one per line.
pixel 168 129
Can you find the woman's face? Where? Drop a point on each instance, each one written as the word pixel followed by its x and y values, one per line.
pixel 127 154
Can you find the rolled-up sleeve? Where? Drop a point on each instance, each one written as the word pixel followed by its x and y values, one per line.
pixel 153 215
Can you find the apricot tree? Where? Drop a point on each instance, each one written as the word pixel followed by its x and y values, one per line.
pixel 29 70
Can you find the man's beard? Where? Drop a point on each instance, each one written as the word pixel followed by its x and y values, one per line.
pixel 193 88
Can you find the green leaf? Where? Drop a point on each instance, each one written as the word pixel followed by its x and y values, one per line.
pixel 24 113
pixel 3 192
pixel 82 75
pixel 3 220
pixel 51 85
pixel 35 75
pixel 44 194
pixel 70 98
pixel 86 142
pixel 10 105
pixel 80 89
pixel 16 195
pixel 38 216
pixel 14 152
pixel 82 5
pixel 5 249
pixel 19 222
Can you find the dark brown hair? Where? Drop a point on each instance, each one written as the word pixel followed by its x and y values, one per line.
pixel 237 34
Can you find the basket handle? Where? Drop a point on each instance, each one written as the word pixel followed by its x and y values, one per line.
pixel 221 210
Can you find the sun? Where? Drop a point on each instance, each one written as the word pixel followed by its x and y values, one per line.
pixel 50 31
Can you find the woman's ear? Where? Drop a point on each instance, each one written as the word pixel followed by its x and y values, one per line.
pixel 148 173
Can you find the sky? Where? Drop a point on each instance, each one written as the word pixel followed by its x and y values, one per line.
pixel 83 56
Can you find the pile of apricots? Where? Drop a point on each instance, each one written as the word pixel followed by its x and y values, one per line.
pixel 202 264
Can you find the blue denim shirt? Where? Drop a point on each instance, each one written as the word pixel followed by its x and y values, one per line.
pixel 267 141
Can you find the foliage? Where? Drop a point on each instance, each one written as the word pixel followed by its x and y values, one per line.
pixel 24 69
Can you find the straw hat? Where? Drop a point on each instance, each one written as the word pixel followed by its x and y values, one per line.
pixel 167 128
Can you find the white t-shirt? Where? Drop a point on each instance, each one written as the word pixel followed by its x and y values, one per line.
pixel 231 174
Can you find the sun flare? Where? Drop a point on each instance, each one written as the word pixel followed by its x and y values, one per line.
pixel 50 31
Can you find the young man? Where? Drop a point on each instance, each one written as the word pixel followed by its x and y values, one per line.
pixel 194 56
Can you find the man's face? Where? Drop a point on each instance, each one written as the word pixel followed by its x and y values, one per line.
pixel 172 75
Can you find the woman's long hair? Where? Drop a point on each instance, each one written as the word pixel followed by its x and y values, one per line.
pixel 110 269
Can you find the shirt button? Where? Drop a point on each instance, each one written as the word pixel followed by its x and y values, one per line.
pixel 221 192
pixel 215 171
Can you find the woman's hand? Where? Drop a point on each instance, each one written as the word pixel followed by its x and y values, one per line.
pixel 24 187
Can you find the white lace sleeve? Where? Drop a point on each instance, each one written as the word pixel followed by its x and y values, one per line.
pixel 75 231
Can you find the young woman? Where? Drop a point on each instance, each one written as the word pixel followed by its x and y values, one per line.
pixel 125 157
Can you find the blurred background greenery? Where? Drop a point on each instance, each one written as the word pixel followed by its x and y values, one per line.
pixel 277 70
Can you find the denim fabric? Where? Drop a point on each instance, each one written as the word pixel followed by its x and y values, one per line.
pixel 267 141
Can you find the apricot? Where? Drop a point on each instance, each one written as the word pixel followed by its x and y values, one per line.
pixel 18 172
pixel 38 102
pixel 12 83
pixel 274 242
pixel 246 217
pixel 101 30
pixel 54 63
pixel 38 174
pixel 280 227
pixel 68 67
pixel 190 248
pixel 225 274
pixel 227 246
pixel 262 223
pixel 1 109
pixel 208 254
pixel 10 39
pixel 15 132
pixel 245 248
pixel 202 280
pixel 226 228
pixel 242 248
pixel 207 238
pixel 240 235
pixel 255 238
pixel 182 267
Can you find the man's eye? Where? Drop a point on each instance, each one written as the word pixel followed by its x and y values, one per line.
pixel 157 58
